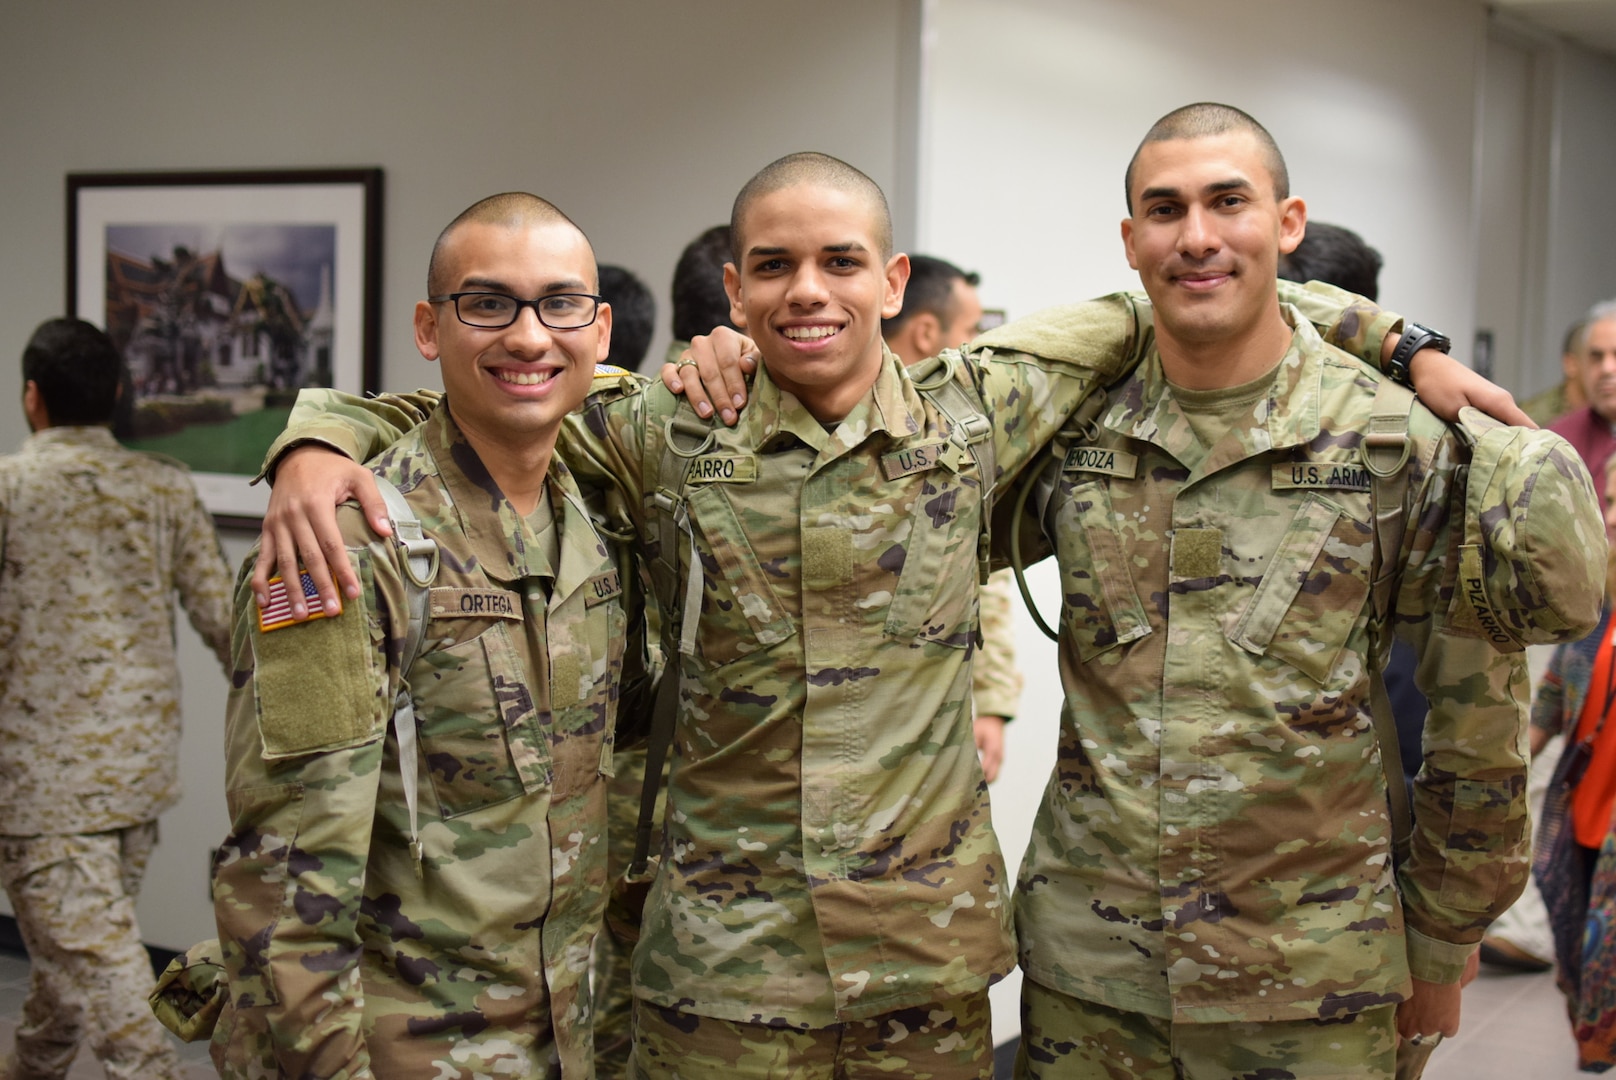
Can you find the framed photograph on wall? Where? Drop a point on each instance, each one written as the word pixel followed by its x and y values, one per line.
pixel 227 292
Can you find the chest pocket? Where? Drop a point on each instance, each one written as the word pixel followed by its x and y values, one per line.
pixel 1100 606
pixel 587 637
pixel 936 596
pixel 744 608
pixel 1313 592
pixel 475 716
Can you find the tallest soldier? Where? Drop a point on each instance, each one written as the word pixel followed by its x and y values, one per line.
pixel 1210 890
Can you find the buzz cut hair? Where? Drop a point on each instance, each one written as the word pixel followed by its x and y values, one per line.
pixel 930 291
pixel 1203 120
pixel 811 167
pixel 512 209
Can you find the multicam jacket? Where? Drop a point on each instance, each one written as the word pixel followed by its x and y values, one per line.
pixel 1214 844
pixel 828 852
pixel 96 542
pixel 995 678
pixel 345 953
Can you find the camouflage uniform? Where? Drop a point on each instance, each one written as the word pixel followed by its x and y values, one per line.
pixel 96 540
pixel 1547 406
pixel 610 972
pixel 995 679
pixel 346 955
pixel 819 867
pixel 1214 846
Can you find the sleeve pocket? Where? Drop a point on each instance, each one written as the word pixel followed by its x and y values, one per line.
pixel 1486 828
pixel 319 685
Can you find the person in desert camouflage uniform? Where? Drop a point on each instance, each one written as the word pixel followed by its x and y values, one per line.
pixel 831 889
pixel 351 949
pixel 95 542
pixel 1209 890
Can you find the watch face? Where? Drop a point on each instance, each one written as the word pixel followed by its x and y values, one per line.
pixel 1437 340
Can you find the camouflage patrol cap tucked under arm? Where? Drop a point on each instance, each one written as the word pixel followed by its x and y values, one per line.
pixel 1532 564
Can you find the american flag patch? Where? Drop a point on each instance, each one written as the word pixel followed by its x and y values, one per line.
pixel 609 371
pixel 278 612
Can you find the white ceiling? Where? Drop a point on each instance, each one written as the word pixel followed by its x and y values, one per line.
pixel 1589 22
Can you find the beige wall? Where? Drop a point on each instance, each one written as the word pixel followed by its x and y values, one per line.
pixel 641 120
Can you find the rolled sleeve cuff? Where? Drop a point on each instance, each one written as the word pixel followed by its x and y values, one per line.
pixel 1435 961
pixel 332 437
pixel 1002 705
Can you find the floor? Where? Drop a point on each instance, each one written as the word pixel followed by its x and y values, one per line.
pixel 14 988
pixel 1514 1029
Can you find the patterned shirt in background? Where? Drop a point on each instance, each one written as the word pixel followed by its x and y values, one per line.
pixel 96 542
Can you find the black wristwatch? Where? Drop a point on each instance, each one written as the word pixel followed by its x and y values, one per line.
pixel 1415 338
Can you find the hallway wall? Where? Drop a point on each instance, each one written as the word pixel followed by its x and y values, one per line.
pixel 640 120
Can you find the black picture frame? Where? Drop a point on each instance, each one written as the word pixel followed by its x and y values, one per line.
pixel 227 291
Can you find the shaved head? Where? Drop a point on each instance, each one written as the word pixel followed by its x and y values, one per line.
pixel 513 210
pixel 820 170
pixel 1205 119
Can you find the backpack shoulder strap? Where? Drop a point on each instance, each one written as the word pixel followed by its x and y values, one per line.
pixel 419 556
pixel 943 381
pixel 1039 485
pixel 669 446
pixel 1384 452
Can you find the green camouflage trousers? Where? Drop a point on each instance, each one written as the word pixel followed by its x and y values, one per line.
pixel 944 1040
pixel 1067 1038
pixel 609 969
pixel 74 899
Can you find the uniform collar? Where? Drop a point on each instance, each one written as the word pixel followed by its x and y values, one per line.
pixel 892 405
pixel 1143 406
pixel 500 539
pixel 99 437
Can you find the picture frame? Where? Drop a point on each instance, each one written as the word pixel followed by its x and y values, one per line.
pixel 227 292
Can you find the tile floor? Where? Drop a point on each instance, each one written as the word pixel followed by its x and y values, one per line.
pixel 1514 1029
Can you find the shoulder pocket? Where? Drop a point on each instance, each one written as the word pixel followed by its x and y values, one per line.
pixel 936 596
pixel 320 685
pixel 1100 606
pixel 586 639
pixel 477 723
pixel 1313 592
pixel 735 583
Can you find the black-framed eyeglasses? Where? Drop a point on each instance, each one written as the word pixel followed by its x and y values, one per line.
pixel 495 311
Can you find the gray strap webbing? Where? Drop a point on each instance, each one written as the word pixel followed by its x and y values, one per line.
pixel 420 562
pixel 673 523
pixel 673 444
pixel 656 755
pixel 1384 451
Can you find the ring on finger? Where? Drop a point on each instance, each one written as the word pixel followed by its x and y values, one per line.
pixel 686 361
